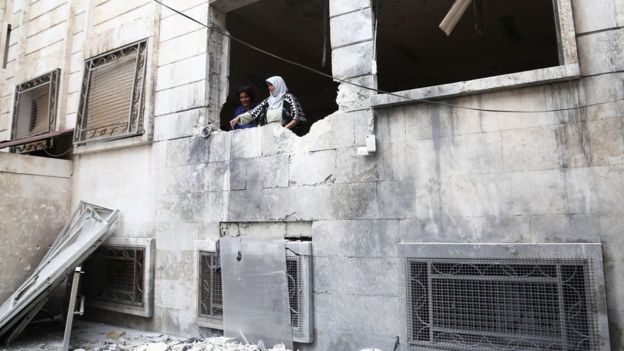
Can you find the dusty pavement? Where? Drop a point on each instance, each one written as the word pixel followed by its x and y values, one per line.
pixel 90 336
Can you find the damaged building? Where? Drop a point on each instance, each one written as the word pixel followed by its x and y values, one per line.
pixel 451 191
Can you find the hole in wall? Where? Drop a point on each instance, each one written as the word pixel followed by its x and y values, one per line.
pixel 294 30
pixel 412 52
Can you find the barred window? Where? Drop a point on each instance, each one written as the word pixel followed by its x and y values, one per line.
pixel 293 273
pixel 488 304
pixel 111 100
pixel 210 293
pixel 35 106
pixel 116 274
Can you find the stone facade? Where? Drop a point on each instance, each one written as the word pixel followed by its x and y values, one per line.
pixel 36 194
pixel 438 174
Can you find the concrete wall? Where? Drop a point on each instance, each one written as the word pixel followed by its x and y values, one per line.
pixel 439 174
pixel 34 207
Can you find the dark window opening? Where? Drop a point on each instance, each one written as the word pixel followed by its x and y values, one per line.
pixel 295 30
pixel 6 47
pixel 412 52
pixel 210 291
pixel 116 275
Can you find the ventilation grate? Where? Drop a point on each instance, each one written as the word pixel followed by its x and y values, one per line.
pixel 116 274
pixel 293 273
pixel 35 106
pixel 500 304
pixel 210 292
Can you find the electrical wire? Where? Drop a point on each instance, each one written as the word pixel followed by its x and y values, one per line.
pixel 216 29
pixel 58 155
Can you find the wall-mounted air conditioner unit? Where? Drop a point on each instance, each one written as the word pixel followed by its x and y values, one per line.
pixel 299 274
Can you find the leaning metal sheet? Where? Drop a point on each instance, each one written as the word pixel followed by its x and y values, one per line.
pixel 89 226
pixel 255 290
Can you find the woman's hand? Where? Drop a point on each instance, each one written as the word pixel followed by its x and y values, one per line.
pixel 234 122
pixel 292 124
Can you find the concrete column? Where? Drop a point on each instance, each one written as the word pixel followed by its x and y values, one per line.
pixel 353 50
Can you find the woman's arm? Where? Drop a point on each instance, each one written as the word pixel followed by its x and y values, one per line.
pixel 292 124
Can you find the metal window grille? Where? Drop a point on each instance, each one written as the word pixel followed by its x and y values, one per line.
pixel 34 112
pixel 116 274
pixel 492 304
pixel 293 273
pixel 111 100
pixel 210 291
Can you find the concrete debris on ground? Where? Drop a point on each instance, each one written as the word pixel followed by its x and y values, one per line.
pixel 89 336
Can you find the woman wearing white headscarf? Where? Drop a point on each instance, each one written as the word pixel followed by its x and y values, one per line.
pixel 280 107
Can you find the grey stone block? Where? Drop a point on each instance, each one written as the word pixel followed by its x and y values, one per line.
pixel 352 27
pixel 216 174
pixel 354 200
pixel 187 207
pixel 261 204
pixel 596 190
pixel 353 60
pixel 355 168
pixel 480 195
pixel 531 149
pixel 352 314
pixel 601 52
pixel 542 192
pixel 312 168
pixel 337 7
pixel 398 199
pixel 277 140
pixel 176 236
pixel 565 228
pixel 267 172
pixel 219 145
pixel 173 265
pixel 177 125
pixel 592 16
pixel 349 276
pixel 354 94
pixel 363 238
pixel 606 141
pixel 181 179
pixel 247 143
pixel 187 151
pixel 340 341
pixel 601 88
pixel 313 202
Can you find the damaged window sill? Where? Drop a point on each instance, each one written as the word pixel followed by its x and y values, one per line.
pixel 481 85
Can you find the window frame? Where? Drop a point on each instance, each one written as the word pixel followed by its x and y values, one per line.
pixel 567 69
pixel 147 308
pixel 52 78
pixel 136 118
pixel 591 252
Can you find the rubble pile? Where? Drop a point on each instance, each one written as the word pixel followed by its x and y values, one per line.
pixel 167 343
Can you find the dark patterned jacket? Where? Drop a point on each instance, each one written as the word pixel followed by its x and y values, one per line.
pixel 291 109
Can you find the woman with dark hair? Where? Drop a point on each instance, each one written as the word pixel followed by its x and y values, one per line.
pixel 246 96
pixel 280 107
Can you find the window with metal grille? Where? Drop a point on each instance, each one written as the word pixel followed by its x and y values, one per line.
pixel 210 293
pixel 493 304
pixel 35 106
pixel 111 100
pixel 293 273
pixel 116 274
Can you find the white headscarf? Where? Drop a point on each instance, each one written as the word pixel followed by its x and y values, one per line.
pixel 277 98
